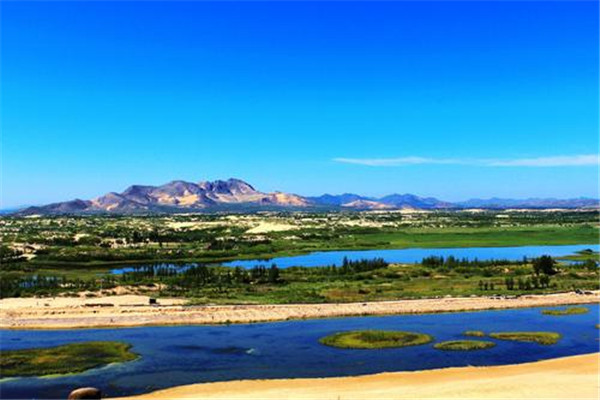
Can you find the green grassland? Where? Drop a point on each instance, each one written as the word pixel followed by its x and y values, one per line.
pixel 320 285
pixel 374 339
pixel 52 255
pixel 319 240
pixel 96 242
pixel 394 282
pixel 66 359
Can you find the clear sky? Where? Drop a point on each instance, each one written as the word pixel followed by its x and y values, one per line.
pixel 447 99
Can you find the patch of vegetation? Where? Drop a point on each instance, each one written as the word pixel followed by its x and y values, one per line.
pixel 49 256
pixel 374 339
pixel 566 311
pixel 464 345
pixel 474 333
pixel 545 338
pixel 354 281
pixel 97 240
pixel 65 359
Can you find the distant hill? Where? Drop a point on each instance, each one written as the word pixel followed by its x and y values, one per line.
pixel 338 199
pixel 497 203
pixel 410 200
pixel 175 196
pixel 392 201
pixel 235 194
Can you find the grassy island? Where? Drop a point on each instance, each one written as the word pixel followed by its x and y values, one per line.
pixel 474 333
pixel 65 359
pixel 464 345
pixel 373 339
pixel 545 338
pixel 566 311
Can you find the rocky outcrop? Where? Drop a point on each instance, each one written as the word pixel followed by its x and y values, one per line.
pixel 175 196
pixel 85 393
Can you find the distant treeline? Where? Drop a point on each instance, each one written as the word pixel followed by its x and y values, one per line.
pixel 195 275
pixel 178 278
pixel 452 262
pixel 12 285
pixel 362 265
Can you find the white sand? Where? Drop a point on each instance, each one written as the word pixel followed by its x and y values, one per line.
pixel 563 378
pixel 133 310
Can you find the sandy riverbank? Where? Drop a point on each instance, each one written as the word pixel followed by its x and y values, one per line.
pixel 563 378
pixel 134 310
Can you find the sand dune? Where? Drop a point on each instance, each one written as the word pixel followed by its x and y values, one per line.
pixel 563 378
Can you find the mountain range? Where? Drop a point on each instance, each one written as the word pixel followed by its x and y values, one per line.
pixel 235 194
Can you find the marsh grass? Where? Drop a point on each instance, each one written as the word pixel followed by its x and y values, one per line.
pixel 373 339
pixel 474 333
pixel 65 359
pixel 545 338
pixel 464 345
pixel 566 311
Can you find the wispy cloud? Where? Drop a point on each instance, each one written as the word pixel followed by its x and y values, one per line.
pixel 558 161
pixel 393 162
pixel 555 161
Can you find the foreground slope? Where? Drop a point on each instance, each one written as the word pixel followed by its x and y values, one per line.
pixel 563 378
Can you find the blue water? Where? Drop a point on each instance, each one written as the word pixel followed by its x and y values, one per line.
pixel 414 255
pixel 321 258
pixel 179 355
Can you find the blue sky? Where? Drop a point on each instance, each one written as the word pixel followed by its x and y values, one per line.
pixel 447 99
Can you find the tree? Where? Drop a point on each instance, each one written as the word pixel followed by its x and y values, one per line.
pixel 273 274
pixel 544 281
pixel 509 282
pixel 544 265
pixel 590 264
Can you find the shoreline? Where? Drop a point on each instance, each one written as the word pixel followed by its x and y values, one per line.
pixel 566 377
pixel 134 310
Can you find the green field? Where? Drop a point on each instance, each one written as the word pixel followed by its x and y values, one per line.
pixel 66 359
pixel 95 241
pixel 81 256
pixel 317 285
pixel 66 255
